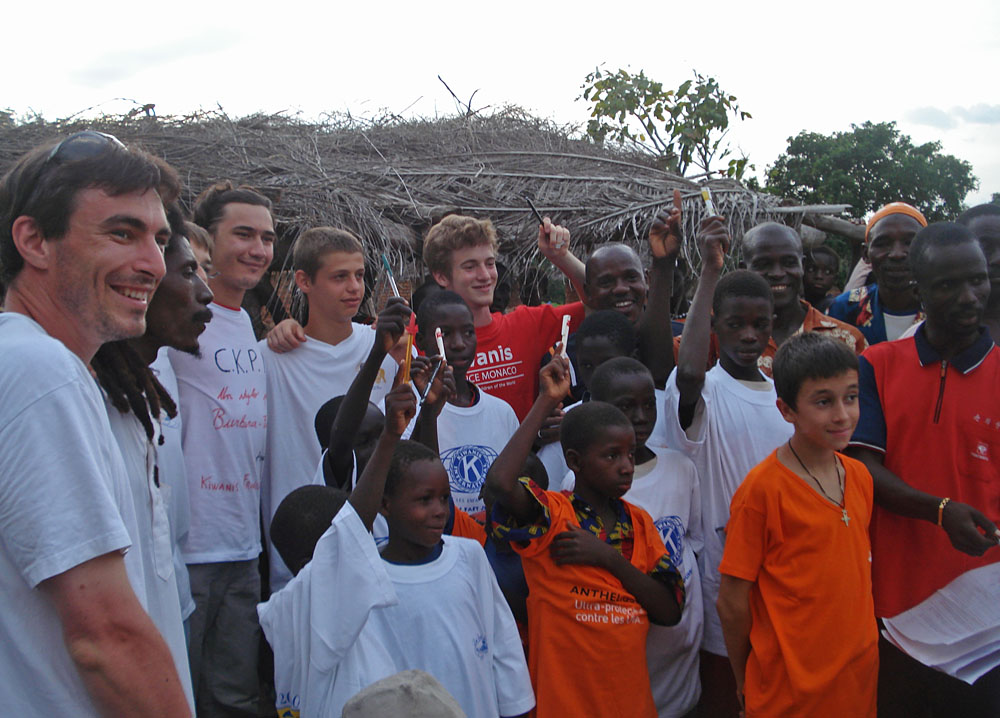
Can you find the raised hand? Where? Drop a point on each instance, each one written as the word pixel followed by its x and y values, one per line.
pixel 580 546
pixel 550 429
pixel 666 233
pixel 392 321
pixel 554 379
pixel 400 407
pixel 553 240
pixel 713 242
pixel 443 386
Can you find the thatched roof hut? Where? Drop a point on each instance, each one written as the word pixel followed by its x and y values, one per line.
pixel 389 180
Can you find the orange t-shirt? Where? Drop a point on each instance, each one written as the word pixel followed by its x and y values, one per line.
pixel 467 527
pixel 587 633
pixel 813 637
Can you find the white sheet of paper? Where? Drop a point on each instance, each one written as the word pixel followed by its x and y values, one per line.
pixel 957 629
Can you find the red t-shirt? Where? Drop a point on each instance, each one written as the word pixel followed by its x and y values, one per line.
pixel 938 425
pixel 813 638
pixel 510 348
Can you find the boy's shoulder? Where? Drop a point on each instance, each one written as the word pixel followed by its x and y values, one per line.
pixel 673 464
pixel 763 479
pixel 719 383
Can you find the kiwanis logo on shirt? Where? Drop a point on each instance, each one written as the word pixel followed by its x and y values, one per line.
pixel 467 466
pixel 482 647
pixel 671 530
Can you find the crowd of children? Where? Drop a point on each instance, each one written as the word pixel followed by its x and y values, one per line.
pixel 723 487
pixel 591 509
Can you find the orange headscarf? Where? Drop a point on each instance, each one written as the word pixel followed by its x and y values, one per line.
pixel 895 208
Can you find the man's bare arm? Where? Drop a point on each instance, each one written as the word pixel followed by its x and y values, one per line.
pixel 960 521
pixel 553 243
pixel 656 341
pixel 122 658
pixel 713 240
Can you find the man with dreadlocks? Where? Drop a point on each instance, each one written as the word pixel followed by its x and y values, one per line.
pixel 136 401
pixel 223 406
pixel 82 228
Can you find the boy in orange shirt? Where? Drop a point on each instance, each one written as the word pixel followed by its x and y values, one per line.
pixel 795 599
pixel 595 565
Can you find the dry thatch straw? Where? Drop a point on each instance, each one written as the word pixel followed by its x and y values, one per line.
pixel 388 180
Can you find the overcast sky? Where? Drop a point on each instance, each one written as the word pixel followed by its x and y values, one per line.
pixel 929 66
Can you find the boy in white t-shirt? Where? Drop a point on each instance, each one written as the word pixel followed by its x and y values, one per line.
pixel 430 602
pixel 665 484
pixel 330 272
pixel 726 420
pixel 467 427
pixel 224 422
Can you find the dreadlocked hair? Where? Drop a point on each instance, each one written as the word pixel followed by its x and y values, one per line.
pixel 130 384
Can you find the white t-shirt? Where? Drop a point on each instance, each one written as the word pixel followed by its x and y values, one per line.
pixel 453 622
pixel 65 499
pixel 667 488
pixel 173 480
pixel 299 382
pixel 470 438
pixel 897 324
pixel 223 405
pixel 162 599
pixel 325 647
pixel 734 429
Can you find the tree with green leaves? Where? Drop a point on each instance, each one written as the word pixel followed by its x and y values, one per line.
pixel 870 166
pixel 686 127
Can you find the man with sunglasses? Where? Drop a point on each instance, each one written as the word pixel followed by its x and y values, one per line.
pixel 82 228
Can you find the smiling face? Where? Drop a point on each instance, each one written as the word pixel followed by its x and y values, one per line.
pixel 244 246
pixel 458 332
pixel 888 250
pixel 776 255
pixel 336 291
pixel 826 411
pixel 179 310
pixel 104 270
pixel 953 283
pixel 417 510
pixel 743 328
pixel 473 275
pixel 615 280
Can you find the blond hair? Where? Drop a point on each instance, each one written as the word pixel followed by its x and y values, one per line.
pixel 455 232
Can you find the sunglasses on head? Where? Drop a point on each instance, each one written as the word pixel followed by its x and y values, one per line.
pixel 84 145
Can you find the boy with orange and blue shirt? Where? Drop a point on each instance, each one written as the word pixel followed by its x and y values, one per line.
pixel 596 568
